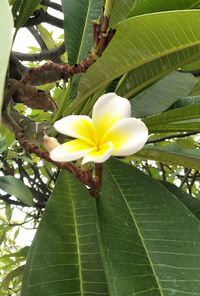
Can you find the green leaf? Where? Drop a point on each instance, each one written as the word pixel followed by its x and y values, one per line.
pixel 8 137
pixel 17 272
pixel 6 22
pixel 172 154
pixel 175 127
pixel 187 113
pixel 193 204
pixel 8 212
pixel 143 6
pixel 78 17
pixel 64 258
pixel 21 253
pixel 16 7
pixel 163 94
pixel 26 9
pixel 46 36
pixel 120 11
pixel 152 45
pixel 150 241
pixel 16 187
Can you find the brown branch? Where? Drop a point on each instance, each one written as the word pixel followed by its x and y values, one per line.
pixel 45 55
pixel 161 139
pixel 193 180
pixel 185 179
pixel 83 176
pixel 6 199
pixel 59 70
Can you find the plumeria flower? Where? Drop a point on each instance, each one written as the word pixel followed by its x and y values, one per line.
pixel 110 131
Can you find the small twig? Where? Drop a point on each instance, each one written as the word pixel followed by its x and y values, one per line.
pixel 194 177
pixel 161 139
pixel 163 171
pixel 38 38
pixel 6 199
pixel 97 180
pixel 146 167
pixel 185 179
pixel 83 176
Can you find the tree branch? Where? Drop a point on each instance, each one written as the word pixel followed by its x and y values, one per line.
pixel 45 55
pixel 172 137
pixel 41 16
pixel 6 199
pixel 38 38
pixel 53 5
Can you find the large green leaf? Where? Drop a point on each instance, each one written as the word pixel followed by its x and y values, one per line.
pixel 163 94
pixel 150 241
pixel 128 8
pixel 64 258
pixel 6 25
pixel 172 154
pixel 16 187
pixel 120 11
pixel 186 113
pixel 153 45
pixel 193 204
pixel 26 9
pixel 78 17
pixel 143 6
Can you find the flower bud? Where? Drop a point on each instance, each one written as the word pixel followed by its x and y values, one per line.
pixel 50 143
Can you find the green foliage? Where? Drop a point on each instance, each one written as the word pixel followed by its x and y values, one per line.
pixel 156 229
pixel 143 7
pixel 65 256
pixel 152 55
pixel 120 11
pixel 172 154
pixel 78 18
pixel 193 204
pixel 16 187
pixel 25 10
pixel 138 234
pixel 186 113
pixel 156 242
pixel 160 96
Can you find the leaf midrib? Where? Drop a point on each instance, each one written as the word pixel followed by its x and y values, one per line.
pixel 77 238
pixel 139 233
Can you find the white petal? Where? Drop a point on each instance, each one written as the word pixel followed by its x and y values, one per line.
pixel 107 110
pixel 127 136
pixel 76 126
pixel 100 155
pixel 113 105
pixel 70 151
